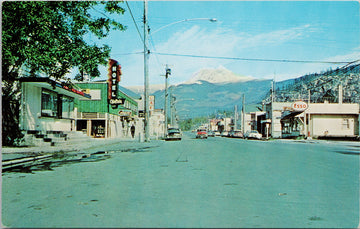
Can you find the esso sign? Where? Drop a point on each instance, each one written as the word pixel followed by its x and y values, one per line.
pixel 299 106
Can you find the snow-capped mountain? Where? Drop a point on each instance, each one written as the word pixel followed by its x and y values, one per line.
pixel 218 75
pixel 152 88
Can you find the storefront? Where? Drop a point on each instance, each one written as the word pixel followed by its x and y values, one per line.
pixel 321 120
pixel 48 105
pixel 104 117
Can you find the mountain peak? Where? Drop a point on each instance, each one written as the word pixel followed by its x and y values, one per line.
pixel 217 76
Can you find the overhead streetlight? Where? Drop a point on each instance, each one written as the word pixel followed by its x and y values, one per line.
pixel 185 20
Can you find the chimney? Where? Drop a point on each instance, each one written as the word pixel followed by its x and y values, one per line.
pixel 340 94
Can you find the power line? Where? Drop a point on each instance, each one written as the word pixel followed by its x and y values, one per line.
pixel 156 57
pixel 254 59
pixel 130 53
pixel 137 28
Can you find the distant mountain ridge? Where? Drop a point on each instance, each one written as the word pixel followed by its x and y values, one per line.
pixel 323 86
pixel 218 75
pixel 205 98
pixel 207 95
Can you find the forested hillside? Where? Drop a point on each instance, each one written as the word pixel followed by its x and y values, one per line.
pixel 321 86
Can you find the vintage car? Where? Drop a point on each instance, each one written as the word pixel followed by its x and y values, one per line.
pixel 254 134
pixel 173 134
pixel 201 133
pixel 236 134
pixel 211 134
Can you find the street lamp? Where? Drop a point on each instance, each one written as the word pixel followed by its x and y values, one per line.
pixel 185 20
pixel 146 63
pixel 167 73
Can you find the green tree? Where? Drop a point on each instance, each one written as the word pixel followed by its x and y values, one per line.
pixel 48 37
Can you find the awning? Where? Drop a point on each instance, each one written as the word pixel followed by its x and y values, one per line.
pixel 55 86
pixel 289 114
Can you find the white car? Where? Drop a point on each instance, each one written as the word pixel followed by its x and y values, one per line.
pixel 253 134
pixel 173 134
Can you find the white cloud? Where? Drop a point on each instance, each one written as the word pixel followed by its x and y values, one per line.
pixel 352 56
pixel 301 70
pixel 203 42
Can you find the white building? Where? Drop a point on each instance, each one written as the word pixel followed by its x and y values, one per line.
pixel 156 118
pixel 157 123
pixel 318 120
pixel 332 120
pixel 47 108
pixel 46 105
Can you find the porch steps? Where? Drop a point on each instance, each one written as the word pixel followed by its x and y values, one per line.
pixel 52 138
pixel 44 138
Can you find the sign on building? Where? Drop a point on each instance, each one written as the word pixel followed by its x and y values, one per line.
pixel 151 102
pixel 125 113
pixel 114 79
pixel 299 106
pixel 141 114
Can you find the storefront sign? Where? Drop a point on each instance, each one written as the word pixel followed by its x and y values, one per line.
pixel 114 78
pixel 125 113
pixel 141 114
pixel 299 106
pixel 151 102
pixel 116 101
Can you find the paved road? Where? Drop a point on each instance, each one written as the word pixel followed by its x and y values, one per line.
pixel 214 182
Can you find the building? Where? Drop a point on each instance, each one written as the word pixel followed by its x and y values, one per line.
pixel 214 124
pixel 157 123
pixel 104 117
pixel 226 125
pixel 156 118
pixel 332 120
pixel 314 120
pixel 252 121
pixel 274 111
pixel 48 108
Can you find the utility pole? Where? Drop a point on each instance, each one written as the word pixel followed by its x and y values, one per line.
pixel 167 73
pixel 243 115
pixel 272 106
pixel 172 110
pixel 235 118
pixel 146 73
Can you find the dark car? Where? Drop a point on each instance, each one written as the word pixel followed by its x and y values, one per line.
pixel 173 134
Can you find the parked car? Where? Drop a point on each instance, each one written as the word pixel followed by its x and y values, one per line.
pixel 236 134
pixel 173 134
pixel 225 134
pixel 201 133
pixel 253 134
pixel 211 134
pixel 217 133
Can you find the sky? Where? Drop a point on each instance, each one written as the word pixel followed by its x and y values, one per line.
pixel 250 32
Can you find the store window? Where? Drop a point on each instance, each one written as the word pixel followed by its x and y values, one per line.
pixel 55 105
pixel 49 103
pixel 67 107
pixel 345 124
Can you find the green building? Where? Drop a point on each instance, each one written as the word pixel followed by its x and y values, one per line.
pixel 104 115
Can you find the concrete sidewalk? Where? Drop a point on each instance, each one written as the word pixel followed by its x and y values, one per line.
pixel 8 153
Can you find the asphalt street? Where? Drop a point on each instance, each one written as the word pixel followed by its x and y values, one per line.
pixel 214 182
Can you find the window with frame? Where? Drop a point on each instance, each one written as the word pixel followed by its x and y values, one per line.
pixel 345 124
pixel 55 105
pixel 67 106
pixel 49 103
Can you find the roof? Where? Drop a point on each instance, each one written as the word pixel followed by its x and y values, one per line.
pixel 61 88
